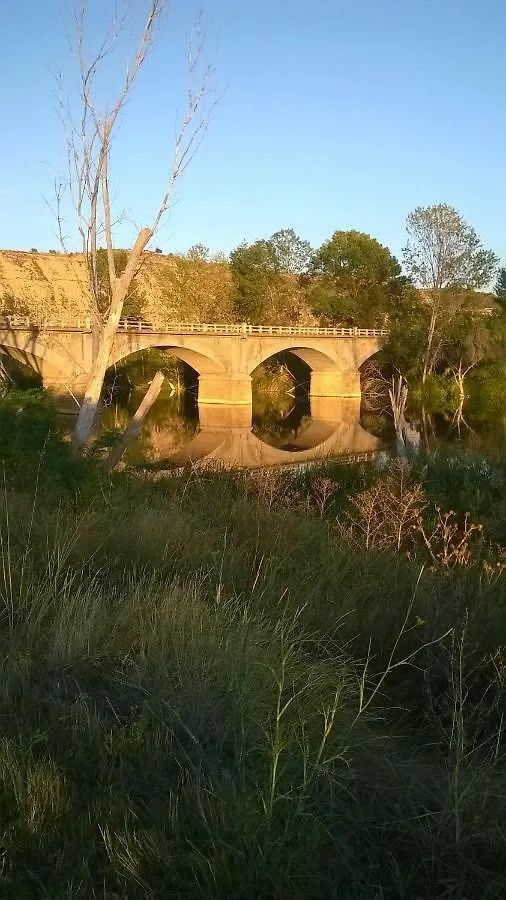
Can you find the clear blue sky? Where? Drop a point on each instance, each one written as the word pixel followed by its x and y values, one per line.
pixel 335 114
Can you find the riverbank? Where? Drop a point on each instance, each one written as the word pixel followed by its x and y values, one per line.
pixel 222 685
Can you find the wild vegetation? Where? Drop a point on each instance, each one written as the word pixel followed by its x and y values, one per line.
pixel 301 694
pixel 249 685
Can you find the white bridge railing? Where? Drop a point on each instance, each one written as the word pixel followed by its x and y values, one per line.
pixel 22 323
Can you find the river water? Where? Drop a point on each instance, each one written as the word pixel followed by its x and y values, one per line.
pixel 284 428
pixel 178 431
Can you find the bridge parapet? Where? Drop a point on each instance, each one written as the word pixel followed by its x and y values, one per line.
pixel 129 324
pixel 24 323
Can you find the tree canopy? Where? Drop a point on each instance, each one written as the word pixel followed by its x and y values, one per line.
pixel 445 256
pixel 500 288
pixel 356 280
pixel 252 267
pixel 443 251
pixel 261 273
pixel 290 253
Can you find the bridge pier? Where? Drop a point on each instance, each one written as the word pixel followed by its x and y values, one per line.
pixel 68 392
pixel 328 383
pixel 336 409
pixel 216 417
pixel 225 389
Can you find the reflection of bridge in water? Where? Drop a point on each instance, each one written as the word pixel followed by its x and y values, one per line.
pixel 226 438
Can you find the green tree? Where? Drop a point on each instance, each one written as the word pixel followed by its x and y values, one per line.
pixel 291 254
pixel 444 256
pixel 267 277
pixel 198 253
pixel 355 280
pixel 468 339
pixel 253 269
pixel 500 288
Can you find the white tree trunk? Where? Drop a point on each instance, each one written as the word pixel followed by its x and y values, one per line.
pixel 427 367
pixel 119 290
pixel 136 423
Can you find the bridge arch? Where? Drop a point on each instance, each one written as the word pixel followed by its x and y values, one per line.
pixel 203 364
pixel 37 355
pixel 316 360
pixel 332 372
pixel 323 354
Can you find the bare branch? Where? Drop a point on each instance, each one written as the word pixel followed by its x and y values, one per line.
pixel 107 211
pixel 89 139
pixel 201 103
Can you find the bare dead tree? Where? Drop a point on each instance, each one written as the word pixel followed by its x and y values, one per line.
pixel 89 139
pixel 407 436
pixel 459 376
pixel 375 388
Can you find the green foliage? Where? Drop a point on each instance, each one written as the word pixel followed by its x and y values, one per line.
pixel 486 390
pixel 266 277
pixel 253 273
pixel 356 281
pixel 185 708
pixel 32 453
pixel 198 253
pixel 443 251
pixel 445 257
pixel 500 288
pixel 438 394
pixel 290 253
pixel 407 327
pixel 186 712
pixel 465 483
pixel 467 338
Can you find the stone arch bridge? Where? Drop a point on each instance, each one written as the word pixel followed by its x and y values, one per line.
pixel 224 356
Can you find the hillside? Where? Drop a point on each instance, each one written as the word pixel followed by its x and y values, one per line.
pixel 54 286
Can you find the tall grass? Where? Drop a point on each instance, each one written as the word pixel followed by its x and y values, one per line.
pixel 212 689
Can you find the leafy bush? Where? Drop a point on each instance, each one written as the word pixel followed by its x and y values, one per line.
pixel 465 483
pixel 32 451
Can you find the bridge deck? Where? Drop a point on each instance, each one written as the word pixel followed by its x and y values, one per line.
pixel 21 323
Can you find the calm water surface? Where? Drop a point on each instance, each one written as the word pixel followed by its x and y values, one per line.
pixel 284 428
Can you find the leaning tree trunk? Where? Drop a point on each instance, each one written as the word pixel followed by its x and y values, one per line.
pixel 119 291
pixel 136 423
pixel 427 365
